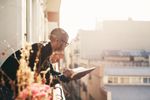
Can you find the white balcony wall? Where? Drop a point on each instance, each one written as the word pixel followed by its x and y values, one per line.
pixel 38 21
pixel 12 26
pixel 20 21
pixel 29 20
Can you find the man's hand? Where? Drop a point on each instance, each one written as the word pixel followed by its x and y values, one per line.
pixel 67 73
pixel 56 56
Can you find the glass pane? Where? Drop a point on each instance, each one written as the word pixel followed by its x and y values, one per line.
pixel 145 80
pixel 115 80
pixel 110 80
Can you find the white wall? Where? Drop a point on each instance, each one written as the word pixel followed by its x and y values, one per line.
pixel 12 25
pixel 18 17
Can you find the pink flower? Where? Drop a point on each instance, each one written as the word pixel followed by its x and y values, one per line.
pixel 38 91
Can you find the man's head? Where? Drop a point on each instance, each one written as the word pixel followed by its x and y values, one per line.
pixel 59 39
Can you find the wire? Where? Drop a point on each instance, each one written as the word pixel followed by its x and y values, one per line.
pixel 5 74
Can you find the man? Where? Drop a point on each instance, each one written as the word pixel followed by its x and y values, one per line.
pixel 43 56
pixel 40 54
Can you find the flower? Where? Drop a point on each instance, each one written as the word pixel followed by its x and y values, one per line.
pixel 36 91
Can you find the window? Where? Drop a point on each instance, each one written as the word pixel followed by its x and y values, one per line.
pixel 124 80
pixel 135 80
pixel 145 80
pixel 110 80
pixel 128 80
pixel 115 80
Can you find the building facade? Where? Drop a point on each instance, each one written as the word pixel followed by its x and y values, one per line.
pixel 121 57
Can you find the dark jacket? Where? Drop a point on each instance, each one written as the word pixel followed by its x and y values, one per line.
pixel 11 65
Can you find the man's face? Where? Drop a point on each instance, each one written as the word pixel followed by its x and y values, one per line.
pixel 61 44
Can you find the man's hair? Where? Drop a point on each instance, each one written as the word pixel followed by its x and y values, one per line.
pixel 59 33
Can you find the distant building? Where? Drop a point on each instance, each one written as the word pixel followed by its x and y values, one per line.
pixel 122 59
pixel 127 79
pixel 114 35
pixel 124 76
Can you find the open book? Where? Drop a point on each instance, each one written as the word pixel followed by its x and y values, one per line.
pixel 80 72
pixel 75 73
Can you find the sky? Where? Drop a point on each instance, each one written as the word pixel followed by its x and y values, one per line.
pixel 83 14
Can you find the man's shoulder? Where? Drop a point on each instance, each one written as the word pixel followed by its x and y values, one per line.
pixel 43 43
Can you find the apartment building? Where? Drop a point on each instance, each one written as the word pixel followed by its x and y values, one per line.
pixel 126 74
pixel 121 57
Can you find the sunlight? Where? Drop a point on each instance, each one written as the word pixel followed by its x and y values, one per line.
pixel 83 14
